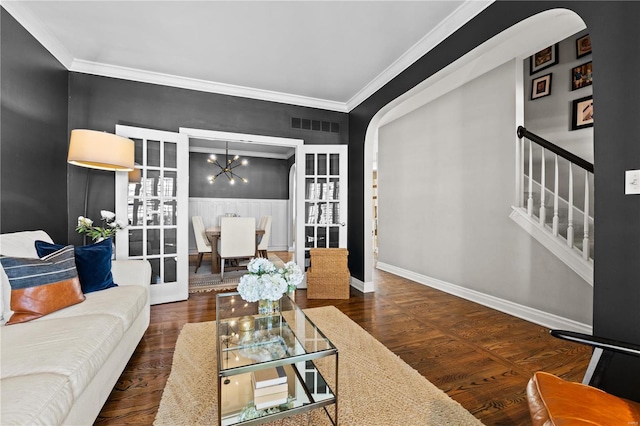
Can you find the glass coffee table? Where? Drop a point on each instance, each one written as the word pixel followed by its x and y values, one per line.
pixel 273 365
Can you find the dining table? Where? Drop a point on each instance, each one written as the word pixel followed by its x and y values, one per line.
pixel 213 233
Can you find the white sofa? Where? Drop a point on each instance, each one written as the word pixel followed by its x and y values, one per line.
pixel 61 368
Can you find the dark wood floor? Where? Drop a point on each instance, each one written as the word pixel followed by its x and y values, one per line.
pixel 480 357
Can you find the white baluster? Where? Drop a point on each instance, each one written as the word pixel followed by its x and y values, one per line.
pixel 530 199
pixel 570 212
pixel 543 190
pixel 555 199
pixel 585 239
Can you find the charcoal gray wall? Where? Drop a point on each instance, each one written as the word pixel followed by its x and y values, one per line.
pixel 99 103
pixel 614 33
pixel 33 139
pixel 268 179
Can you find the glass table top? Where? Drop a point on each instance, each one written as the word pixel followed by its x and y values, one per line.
pixel 248 341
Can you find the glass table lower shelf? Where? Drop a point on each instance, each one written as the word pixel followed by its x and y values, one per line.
pixel 272 366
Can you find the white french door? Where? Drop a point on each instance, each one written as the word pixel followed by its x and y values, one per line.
pixel 322 197
pixel 155 202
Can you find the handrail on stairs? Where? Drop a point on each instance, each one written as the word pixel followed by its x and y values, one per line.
pixel 524 133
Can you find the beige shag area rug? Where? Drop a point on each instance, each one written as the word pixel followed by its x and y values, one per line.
pixel 376 386
pixel 204 280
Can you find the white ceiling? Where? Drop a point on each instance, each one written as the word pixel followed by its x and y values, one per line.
pixel 325 54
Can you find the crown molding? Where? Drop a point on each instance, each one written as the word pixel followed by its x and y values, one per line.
pixel 38 30
pixel 463 14
pixel 467 11
pixel 143 76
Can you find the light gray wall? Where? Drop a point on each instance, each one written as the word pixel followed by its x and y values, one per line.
pixel 446 187
pixel 550 116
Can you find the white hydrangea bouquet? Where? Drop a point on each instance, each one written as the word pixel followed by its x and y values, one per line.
pixel 108 229
pixel 266 282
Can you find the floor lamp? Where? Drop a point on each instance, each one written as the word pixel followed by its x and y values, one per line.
pixel 102 151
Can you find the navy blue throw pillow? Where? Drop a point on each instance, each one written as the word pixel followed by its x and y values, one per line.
pixel 93 263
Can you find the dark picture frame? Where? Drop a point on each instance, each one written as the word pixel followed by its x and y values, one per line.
pixel 582 76
pixel 582 113
pixel 543 59
pixel 583 46
pixel 541 87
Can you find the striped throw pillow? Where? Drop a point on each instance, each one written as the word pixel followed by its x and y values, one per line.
pixel 42 286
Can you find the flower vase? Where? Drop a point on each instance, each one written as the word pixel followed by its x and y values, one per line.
pixel 268 307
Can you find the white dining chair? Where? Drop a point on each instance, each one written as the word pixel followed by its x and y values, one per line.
pixel 264 242
pixel 237 239
pixel 202 242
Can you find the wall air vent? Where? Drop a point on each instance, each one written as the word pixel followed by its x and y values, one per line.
pixel 314 125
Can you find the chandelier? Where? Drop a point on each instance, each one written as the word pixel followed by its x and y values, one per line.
pixel 227 169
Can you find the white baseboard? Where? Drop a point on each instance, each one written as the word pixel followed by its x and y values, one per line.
pixel 364 287
pixel 535 316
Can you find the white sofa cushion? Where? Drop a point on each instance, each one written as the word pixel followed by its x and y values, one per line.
pixel 35 399
pixel 74 347
pixel 123 302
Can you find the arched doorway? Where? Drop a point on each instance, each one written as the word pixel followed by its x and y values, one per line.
pixel 517 42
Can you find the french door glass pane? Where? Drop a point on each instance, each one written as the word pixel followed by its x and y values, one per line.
pixel 321 240
pixel 136 243
pixel 334 237
pixel 309 237
pixel 139 149
pixel 135 213
pixel 334 164
pixel 170 155
pixel 322 164
pixel 170 241
pixel 310 164
pixel 169 213
pixel 170 268
pixel 155 271
pixel 153 153
pixel 153 241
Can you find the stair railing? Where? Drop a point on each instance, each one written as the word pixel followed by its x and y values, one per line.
pixel 573 159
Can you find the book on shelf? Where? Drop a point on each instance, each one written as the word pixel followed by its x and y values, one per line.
pixel 331 191
pixel 269 377
pixel 311 191
pixel 311 213
pixel 270 400
pixel 268 390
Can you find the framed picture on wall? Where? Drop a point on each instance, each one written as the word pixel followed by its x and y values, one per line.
pixel 583 46
pixel 543 59
pixel 582 76
pixel 582 113
pixel 541 87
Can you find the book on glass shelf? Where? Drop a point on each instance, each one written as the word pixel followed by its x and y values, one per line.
pixel 268 390
pixel 270 400
pixel 269 377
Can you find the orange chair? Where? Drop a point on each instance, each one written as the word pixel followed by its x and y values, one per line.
pixel 553 401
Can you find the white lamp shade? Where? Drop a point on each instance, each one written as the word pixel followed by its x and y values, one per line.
pixel 101 150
